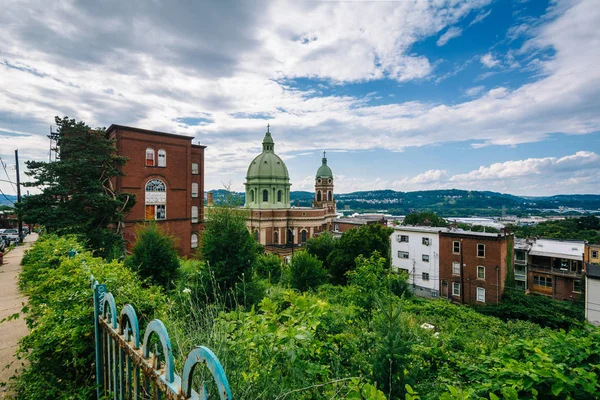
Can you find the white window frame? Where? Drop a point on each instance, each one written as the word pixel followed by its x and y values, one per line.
pixel 481 295
pixel 162 158
pixel 150 151
pixel 425 276
pixel 455 268
pixel 594 253
pixel 194 214
pixel 425 257
pixel 455 289
pixel 195 189
pixel 425 241
pixel 403 255
pixel 480 244
pixel 403 238
pixel 195 168
pixel 482 269
pixel 454 243
pixel 194 241
pixel 156 197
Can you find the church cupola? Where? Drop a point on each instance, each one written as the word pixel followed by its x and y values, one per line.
pixel 324 186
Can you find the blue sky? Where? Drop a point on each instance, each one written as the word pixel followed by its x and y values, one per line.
pixel 484 95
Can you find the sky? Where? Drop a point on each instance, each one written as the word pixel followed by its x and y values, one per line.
pixel 478 94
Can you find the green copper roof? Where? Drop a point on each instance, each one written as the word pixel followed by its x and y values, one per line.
pixel 268 165
pixel 324 171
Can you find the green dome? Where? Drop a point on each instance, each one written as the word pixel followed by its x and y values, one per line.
pixel 267 179
pixel 324 171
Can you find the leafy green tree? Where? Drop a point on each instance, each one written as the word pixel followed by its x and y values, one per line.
pixel 306 271
pixel 268 266
pixel 154 255
pixel 321 246
pixel 78 196
pixel 424 219
pixel 356 242
pixel 227 245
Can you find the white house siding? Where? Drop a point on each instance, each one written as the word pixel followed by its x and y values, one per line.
pixel 592 300
pixel 415 264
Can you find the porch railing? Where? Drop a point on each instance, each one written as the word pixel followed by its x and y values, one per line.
pixel 126 370
pixel 555 271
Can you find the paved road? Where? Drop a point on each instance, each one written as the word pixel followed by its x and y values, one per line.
pixel 11 301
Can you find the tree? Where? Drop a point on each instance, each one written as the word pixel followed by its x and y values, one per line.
pixel 227 245
pixel 268 266
pixel 321 246
pixel 154 255
pixel 78 196
pixel 355 242
pixel 306 271
pixel 424 219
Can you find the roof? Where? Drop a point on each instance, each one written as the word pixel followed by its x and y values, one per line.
pixel 571 250
pixel 521 244
pixel 150 132
pixel 592 271
pixel 354 221
pixel 410 228
pixel 461 232
pixel 324 171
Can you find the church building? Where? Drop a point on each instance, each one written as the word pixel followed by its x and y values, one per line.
pixel 272 220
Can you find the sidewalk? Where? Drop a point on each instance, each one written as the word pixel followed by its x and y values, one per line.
pixel 10 303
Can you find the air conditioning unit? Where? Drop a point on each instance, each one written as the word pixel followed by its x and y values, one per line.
pixel 426 242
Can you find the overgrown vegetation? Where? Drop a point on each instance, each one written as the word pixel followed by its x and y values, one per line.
pixel 582 228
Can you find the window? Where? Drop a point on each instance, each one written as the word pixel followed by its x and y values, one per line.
pixel 481 294
pixel 403 254
pixel 329 196
pixel 319 195
pixel 403 238
pixel 252 195
pixel 481 250
pixel 456 247
pixel 542 281
pixel 480 272
pixel 194 189
pixel 276 237
pixel 256 235
pixel 594 253
pixel 265 195
pixel 156 200
pixel 303 236
pixel 425 257
pixel 194 240
pixel 194 214
pixel 455 268
pixel 195 169
pixel 279 196
pixel 577 286
pixel 336 228
pixel 425 276
pixel 162 158
pixel 425 241
pixel 455 289
pixel 149 157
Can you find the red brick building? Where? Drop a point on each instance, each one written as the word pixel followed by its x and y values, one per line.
pixel 166 173
pixel 480 278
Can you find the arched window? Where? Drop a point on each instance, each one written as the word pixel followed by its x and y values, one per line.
pixel 256 237
pixel 194 189
pixel 319 195
pixel 194 243
pixel 162 158
pixel 156 199
pixel 275 237
pixel 329 195
pixel 290 238
pixel 194 214
pixel 149 157
pixel 251 195
pixel 303 235
pixel 265 195
pixel 279 196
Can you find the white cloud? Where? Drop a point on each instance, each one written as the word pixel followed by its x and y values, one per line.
pixel 489 61
pixel 474 91
pixel 480 17
pixel 451 33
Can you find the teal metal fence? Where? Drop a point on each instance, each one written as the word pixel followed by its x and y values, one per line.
pixel 126 370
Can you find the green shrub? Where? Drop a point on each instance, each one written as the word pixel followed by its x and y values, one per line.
pixel 269 267
pixel 306 271
pixel 59 348
pixel 154 255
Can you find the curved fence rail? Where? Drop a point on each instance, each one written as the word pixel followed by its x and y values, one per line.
pixel 127 367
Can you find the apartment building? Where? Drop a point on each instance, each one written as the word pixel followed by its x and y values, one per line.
pixel 416 250
pixel 473 265
pixel 592 253
pixel 592 294
pixel 555 268
pixel 166 173
pixel 521 254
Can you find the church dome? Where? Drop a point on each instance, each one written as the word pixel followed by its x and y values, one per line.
pixel 268 165
pixel 324 171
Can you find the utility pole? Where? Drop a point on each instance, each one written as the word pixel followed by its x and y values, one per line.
pixel 19 219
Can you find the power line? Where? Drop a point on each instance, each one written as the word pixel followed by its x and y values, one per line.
pixel 6 172
pixel 6 197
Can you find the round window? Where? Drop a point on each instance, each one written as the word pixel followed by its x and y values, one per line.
pixel 329 181
pixel 319 180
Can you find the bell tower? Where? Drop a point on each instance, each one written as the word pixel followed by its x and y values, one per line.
pixel 324 187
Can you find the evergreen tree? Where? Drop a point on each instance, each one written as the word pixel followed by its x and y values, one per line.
pixel 78 196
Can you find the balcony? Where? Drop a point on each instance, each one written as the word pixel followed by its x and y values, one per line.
pixel 520 262
pixel 520 276
pixel 555 271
